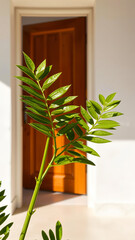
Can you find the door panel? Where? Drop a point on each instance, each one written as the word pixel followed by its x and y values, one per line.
pixel 62 43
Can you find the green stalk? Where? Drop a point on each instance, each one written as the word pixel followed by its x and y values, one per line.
pixel 35 193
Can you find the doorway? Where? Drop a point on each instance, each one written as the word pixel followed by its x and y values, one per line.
pixel 63 44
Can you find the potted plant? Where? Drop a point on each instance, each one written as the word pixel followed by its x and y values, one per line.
pixel 53 116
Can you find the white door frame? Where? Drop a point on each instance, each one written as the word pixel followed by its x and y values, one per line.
pixel 51 8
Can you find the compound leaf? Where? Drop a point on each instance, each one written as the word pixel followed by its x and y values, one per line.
pixel 58 92
pixel 50 81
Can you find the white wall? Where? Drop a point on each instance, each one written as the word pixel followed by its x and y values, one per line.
pixel 5 98
pixel 114 69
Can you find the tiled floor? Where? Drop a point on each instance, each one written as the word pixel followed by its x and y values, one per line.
pixel 77 219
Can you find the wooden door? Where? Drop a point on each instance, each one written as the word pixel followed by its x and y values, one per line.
pixel 62 44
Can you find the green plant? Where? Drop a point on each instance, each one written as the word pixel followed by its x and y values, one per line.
pixel 54 112
pixel 58 233
pixel 4 232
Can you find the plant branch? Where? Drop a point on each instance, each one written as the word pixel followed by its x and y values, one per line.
pixel 35 193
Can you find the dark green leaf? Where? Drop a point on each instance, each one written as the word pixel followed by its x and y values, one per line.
pixel 91 110
pixel 2 197
pixel 67 117
pixel 63 160
pixel 32 92
pixel 33 100
pixel 78 130
pixel 58 92
pixel 111 114
pixel 84 148
pixel 100 133
pixel 60 124
pixel 29 82
pixel 66 129
pixel 27 71
pixel 30 64
pixel 86 116
pixel 64 109
pixel 75 153
pixel 3 230
pixel 40 69
pixel 44 235
pixel 70 135
pixel 2 208
pixel 110 97
pixel 3 218
pixel 38 118
pixel 50 81
pixel 38 112
pixel 51 234
pixel 95 139
pixel 82 123
pixel 106 124
pixel 45 72
pixel 102 99
pixel 2 193
pixel 34 105
pixel 39 127
pixel 62 101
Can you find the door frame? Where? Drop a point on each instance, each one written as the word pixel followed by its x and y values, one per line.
pixel 53 8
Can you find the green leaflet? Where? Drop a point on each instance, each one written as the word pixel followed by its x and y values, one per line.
pixel 45 72
pixel 67 117
pixel 65 159
pixel 51 234
pixel 100 133
pixel 78 130
pixel 110 97
pixel 82 123
pixel 4 229
pixel 43 113
pixel 29 82
pixel 95 139
pixel 34 105
pixel 75 153
pixel 50 81
pixel 62 101
pixel 40 69
pixel 32 92
pixel 3 218
pixel 60 124
pixel 91 110
pixel 112 105
pixel 58 92
pixel 111 114
pixel 96 106
pixel 30 64
pixel 38 118
pixel 102 99
pixel 41 128
pixel 2 208
pixel 106 124
pixel 33 100
pixel 44 235
pixel 79 145
pixel 70 135
pixel 64 109
pixel 86 116
pixel 27 71
pixel 58 230
pixel 66 129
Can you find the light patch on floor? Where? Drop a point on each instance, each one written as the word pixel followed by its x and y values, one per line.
pixel 78 221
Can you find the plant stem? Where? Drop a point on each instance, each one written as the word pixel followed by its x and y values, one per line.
pixel 35 193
